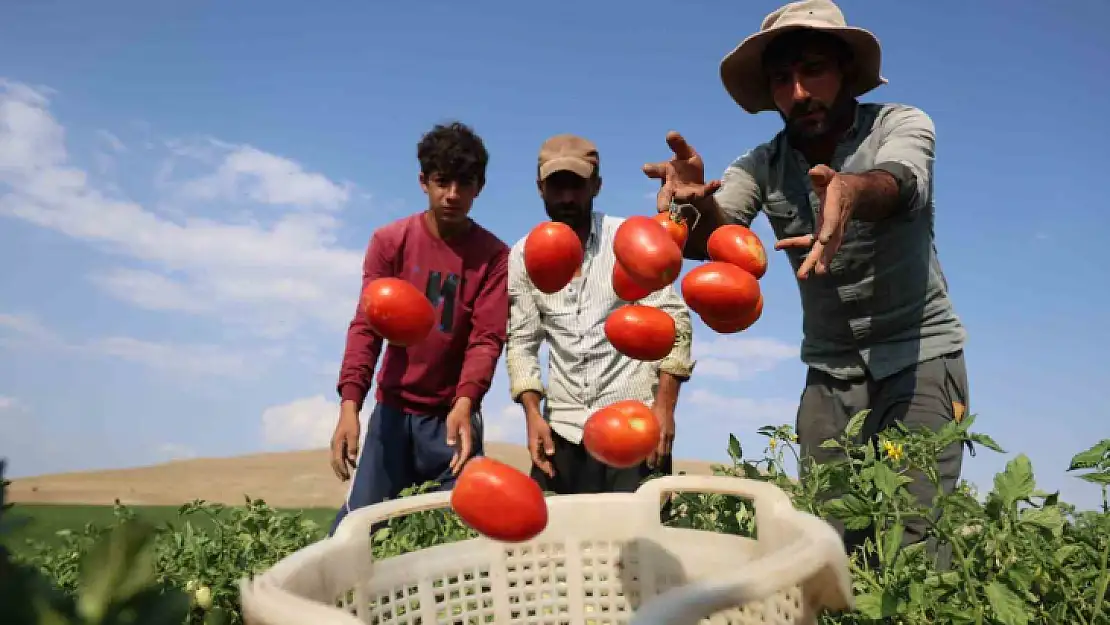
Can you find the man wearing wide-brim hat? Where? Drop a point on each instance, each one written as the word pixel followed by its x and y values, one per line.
pixel 848 190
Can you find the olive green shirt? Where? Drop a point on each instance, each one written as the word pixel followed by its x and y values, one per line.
pixel 884 304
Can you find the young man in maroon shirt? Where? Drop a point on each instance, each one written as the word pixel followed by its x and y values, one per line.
pixel 427 420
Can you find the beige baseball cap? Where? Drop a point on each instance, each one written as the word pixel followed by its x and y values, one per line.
pixel 568 153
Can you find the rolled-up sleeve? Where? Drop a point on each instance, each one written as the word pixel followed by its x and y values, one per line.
pixel 907 149
pixel 740 195
pixel 679 362
pixel 522 352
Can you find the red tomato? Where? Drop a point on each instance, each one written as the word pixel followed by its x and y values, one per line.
pixel 552 254
pixel 740 246
pixel 647 253
pixel 397 311
pixel 641 332
pixel 737 324
pixel 499 501
pixel 720 290
pixel 625 287
pixel 621 435
pixel 675 226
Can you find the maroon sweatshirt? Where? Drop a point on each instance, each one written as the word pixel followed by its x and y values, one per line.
pixel 466 279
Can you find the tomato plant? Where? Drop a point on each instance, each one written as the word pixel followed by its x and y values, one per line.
pixel 625 287
pixel 647 253
pixel 675 226
pixel 622 434
pixel 641 332
pixel 740 246
pixel 552 255
pixel 720 290
pixel 738 323
pixel 499 501
pixel 397 311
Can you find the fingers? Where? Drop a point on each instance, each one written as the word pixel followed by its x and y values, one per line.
pixel 656 170
pixel 338 460
pixel 804 241
pixel 542 448
pixel 678 145
pixel 664 198
pixel 458 436
pixel 351 444
pixel 820 176
pixel 811 260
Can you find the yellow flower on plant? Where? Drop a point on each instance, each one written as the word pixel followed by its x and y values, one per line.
pixel 794 438
pixel 893 451
pixel 773 443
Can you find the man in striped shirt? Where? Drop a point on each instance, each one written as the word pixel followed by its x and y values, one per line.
pixel 586 373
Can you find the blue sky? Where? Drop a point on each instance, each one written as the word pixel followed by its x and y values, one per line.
pixel 186 192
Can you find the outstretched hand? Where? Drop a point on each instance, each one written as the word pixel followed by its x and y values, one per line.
pixel 682 178
pixel 837 199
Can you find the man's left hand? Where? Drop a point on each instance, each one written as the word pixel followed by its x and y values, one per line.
pixel 837 196
pixel 666 434
pixel 459 433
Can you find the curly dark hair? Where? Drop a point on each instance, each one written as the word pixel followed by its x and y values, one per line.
pixel 454 152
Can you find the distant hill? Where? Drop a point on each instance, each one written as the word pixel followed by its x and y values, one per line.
pixel 300 479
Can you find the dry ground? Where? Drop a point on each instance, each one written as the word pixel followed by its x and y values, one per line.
pixel 300 479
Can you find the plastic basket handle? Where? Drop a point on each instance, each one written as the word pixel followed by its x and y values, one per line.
pixel 358 522
pixel 762 494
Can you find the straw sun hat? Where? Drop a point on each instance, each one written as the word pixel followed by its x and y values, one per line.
pixel 742 69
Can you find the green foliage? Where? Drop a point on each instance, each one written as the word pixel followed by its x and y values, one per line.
pixel 1019 555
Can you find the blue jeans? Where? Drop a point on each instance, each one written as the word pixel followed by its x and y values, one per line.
pixel 401 450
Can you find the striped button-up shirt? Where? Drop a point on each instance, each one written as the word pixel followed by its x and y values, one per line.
pixel 585 372
pixel 884 304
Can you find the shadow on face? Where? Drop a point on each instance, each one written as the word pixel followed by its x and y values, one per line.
pixel 450 200
pixel 806 71
pixel 569 198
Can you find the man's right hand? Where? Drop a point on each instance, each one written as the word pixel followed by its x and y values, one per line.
pixel 682 178
pixel 540 444
pixel 344 442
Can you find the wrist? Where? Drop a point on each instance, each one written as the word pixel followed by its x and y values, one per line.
pixel 463 402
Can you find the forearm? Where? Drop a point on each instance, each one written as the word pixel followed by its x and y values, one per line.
pixel 709 216
pixel 359 358
pixel 875 195
pixel 531 402
pixel 477 372
pixel 666 394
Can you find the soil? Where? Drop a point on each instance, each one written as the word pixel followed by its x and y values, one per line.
pixel 301 479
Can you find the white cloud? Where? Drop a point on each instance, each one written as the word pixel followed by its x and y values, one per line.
pixel 737 358
pixel 305 423
pixel 272 271
pixel 174 451
pixel 187 359
pixel 111 140
pixel 505 424
pixel 7 403
pixel 743 410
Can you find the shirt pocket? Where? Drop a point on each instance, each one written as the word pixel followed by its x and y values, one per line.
pixel 785 214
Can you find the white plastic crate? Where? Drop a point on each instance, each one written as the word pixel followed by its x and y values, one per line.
pixel 603 559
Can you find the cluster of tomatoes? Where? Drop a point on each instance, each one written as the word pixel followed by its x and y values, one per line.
pixel 503 503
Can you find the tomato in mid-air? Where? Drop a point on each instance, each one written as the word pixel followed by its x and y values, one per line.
pixel 740 246
pixel 552 255
pixel 397 311
pixel 622 434
pixel 641 332
pixel 720 290
pixel 646 252
pixel 625 287
pixel 739 323
pixel 499 501
pixel 675 225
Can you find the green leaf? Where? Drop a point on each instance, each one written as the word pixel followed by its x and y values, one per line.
pixel 1065 553
pixel 832 443
pixel 886 480
pixel 116 569
pixel 1008 608
pixel 1102 479
pixel 854 512
pixel 876 606
pixel 1092 457
pixel 1048 519
pixel 1016 482
pixel 892 543
pixel 855 424
pixel 735 451
pixel 986 441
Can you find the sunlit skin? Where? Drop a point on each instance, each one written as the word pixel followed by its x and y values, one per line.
pixel 449 204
